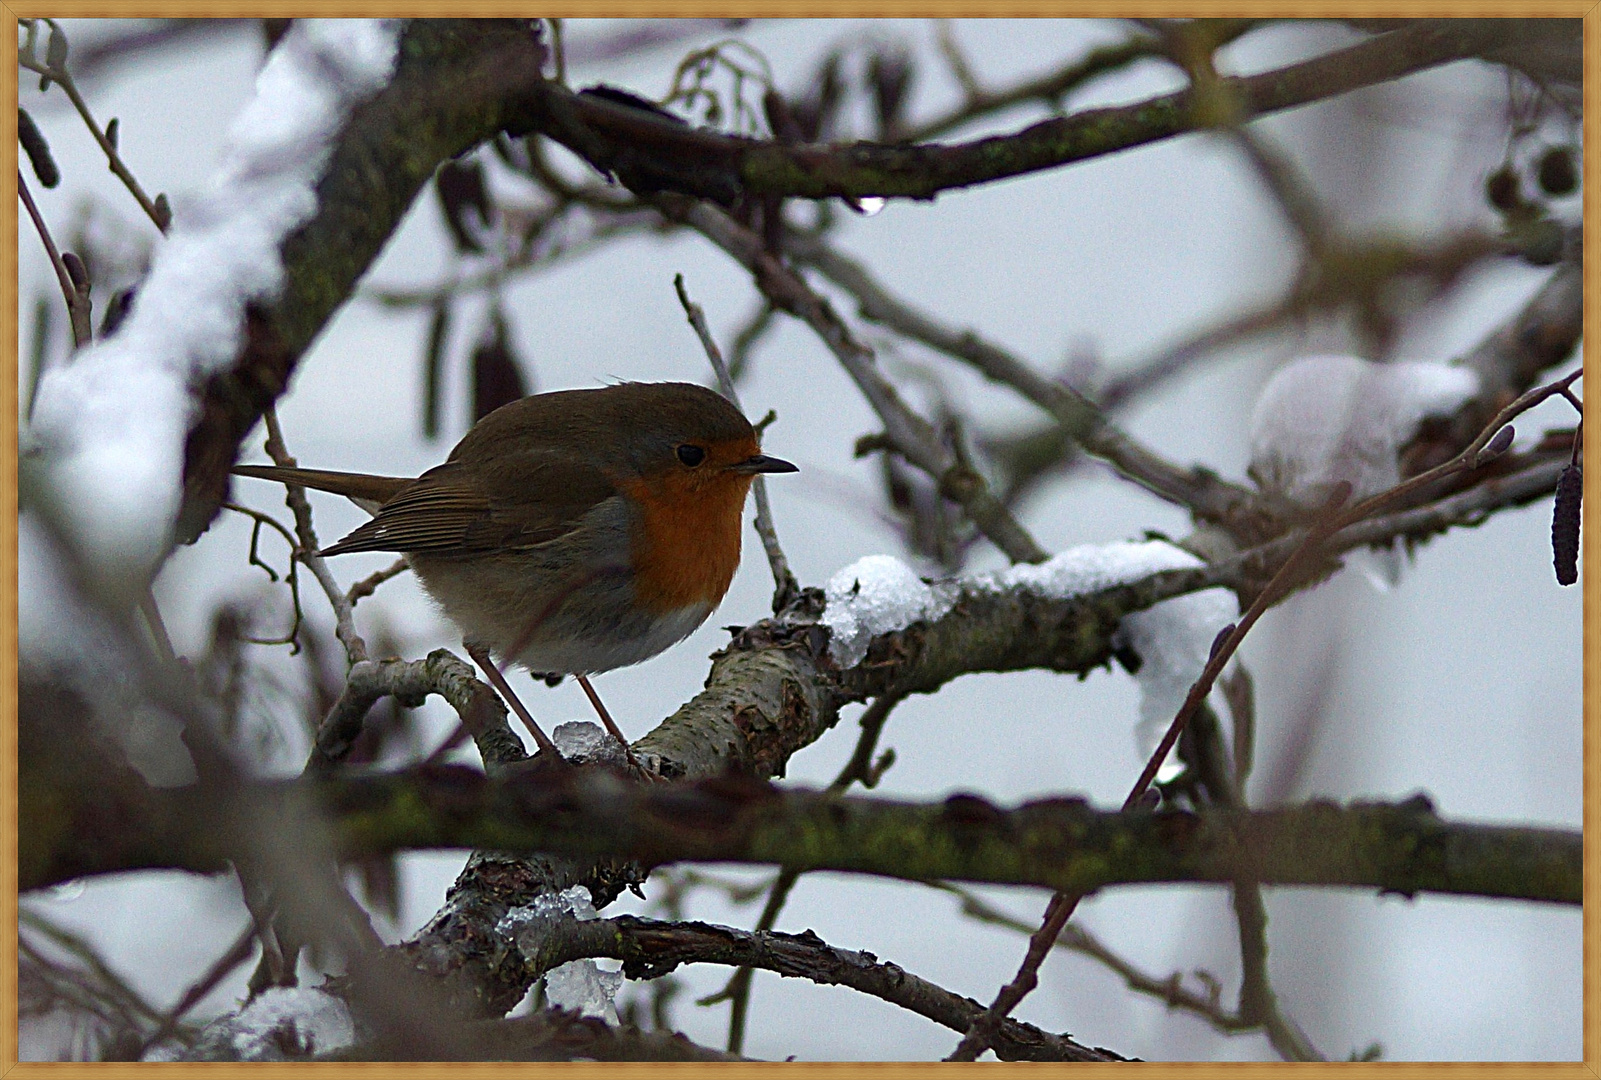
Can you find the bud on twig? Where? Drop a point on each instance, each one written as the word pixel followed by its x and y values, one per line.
pixel 460 187
pixel 1495 447
pixel 1217 642
pixel 1557 175
pixel 117 309
pixel 1565 524
pixel 497 377
pixel 38 151
pixel 433 361
pixel 78 272
pixel 1502 189
pixel 889 74
pixel 780 121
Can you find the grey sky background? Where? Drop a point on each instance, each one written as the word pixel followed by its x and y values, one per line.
pixel 1462 682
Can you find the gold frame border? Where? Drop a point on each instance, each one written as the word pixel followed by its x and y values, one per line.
pixel 1588 1069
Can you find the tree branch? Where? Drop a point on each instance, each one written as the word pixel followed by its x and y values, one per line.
pixel 1063 844
pixel 1203 492
pixel 650 153
pixel 910 434
pixel 651 949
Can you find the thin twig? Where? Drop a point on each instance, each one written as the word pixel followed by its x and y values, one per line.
pixel 1170 990
pixel 558 48
pixel 861 768
pixel 1207 496
pixel 158 628
pixel 77 302
pixel 291 578
pixel 911 435
pixel 961 70
pixel 224 965
pixel 651 949
pixel 1134 380
pixel 1052 87
pixel 126 999
pixel 307 548
pixel 745 341
pixel 1214 784
pixel 60 75
pixel 1291 189
pixel 1333 521
pixel 785 586
pixel 626 220
pixel 1310 548
pixel 369 584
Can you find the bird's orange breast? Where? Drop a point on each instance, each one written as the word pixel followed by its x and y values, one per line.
pixel 687 547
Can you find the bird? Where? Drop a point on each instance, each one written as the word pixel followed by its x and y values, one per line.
pixel 571 532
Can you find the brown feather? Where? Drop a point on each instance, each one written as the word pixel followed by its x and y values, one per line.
pixel 453 510
pixel 377 489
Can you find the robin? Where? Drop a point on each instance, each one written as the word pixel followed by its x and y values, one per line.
pixel 572 532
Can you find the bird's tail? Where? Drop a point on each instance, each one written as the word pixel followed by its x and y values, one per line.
pixel 367 492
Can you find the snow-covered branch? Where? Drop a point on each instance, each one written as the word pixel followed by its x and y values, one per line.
pixel 109 429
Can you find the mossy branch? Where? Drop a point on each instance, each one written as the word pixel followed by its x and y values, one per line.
pixel 1063 844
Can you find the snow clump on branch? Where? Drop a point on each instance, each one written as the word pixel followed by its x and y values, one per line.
pixel 875 595
pixel 1173 639
pixel 579 986
pixel 280 1023
pixel 1323 419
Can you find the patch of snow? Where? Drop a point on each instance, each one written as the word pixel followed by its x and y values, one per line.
pixel 65 640
pixel 1091 567
pixel 585 742
pixel 1324 419
pixel 1173 639
pixel 110 425
pixel 579 986
pixel 873 596
pixel 583 987
pixel 282 1024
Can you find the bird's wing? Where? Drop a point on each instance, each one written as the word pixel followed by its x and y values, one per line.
pixel 450 510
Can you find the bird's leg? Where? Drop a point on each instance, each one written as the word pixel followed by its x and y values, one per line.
pixel 611 725
pixel 480 657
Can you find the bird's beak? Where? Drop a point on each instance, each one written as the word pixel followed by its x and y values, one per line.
pixel 761 463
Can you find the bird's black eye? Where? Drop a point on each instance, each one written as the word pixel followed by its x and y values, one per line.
pixel 691 455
